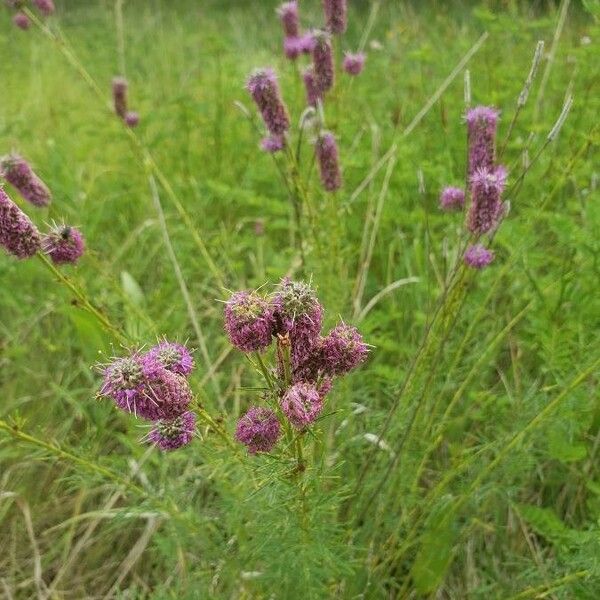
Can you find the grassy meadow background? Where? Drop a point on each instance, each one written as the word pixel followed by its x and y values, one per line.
pixel 527 527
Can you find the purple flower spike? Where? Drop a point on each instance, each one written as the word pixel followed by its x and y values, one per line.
pixel 323 61
pixel 21 20
pixel 132 119
pixel 16 170
pixel 18 235
pixel 478 257
pixel 328 159
pixel 63 244
pixel 292 47
pixel 342 350
pixel 263 88
pixel 302 404
pixel 46 7
pixel 336 15
pixel 174 433
pixel 307 43
pixel 452 198
pixel 249 321
pixel 273 143
pixel 258 429
pixel 313 92
pixel 119 90
pixel 486 208
pixel 481 124
pixel 290 20
pixel 173 357
pixel 354 63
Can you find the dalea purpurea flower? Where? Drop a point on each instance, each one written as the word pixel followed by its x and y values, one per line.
pixel 132 119
pixel 18 235
pixel 63 244
pixel 290 19
pixel 336 15
pixel 249 321
pixel 322 55
pixel 170 434
pixel 119 91
pixel 292 47
pixel 482 122
pixel 264 89
pixel 452 198
pixel 46 7
pixel 259 430
pixel 328 159
pixel 486 209
pixel 342 350
pixel 21 20
pixel 273 143
pixel 313 92
pixel 354 63
pixel 17 171
pixel 302 404
pixel 173 357
pixel 478 257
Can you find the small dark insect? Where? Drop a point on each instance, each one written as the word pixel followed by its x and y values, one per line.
pixel 65 234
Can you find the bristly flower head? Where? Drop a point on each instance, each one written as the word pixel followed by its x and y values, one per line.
pixel 482 122
pixel 21 20
pixel 18 235
pixel 342 350
pixel 354 63
pixel 328 159
pixel 313 92
pixel 452 198
pixel 132 119
pixel 173 357
pixel 173 433
pixel 478 257
pixel 139 385
pixel 302 404
pixel 46 7
pixel 486 208
pixel 273 143
pixel 290 20
pixel 263 88
pixel 16 170
pixel 336 15
pixel 119 90
pixel 63 244
pixel 323 61
pixel 307 43
pixel 258 430
pixel 249 321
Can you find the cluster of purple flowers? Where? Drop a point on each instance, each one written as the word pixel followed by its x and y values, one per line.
pixel 305 363
pixel 21 20
pixel 119 92
pixel 154 386
pixel 486 183
pixel 17 171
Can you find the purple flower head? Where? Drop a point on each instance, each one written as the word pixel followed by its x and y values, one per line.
pixel 307 43
pixel 336 15
pixel 258 429
pixel 248 321
pixel 273 143
pixel 313 92
pixel 63 244
pixel 173 357
pixel 478 257
pixel 481 124
pixel 18 235
pixel 21 20
pixel 16 170
pixel 452 198
pixel 354 63
pixel 302 404
pixel 119 91
pixel 342 350
pixel 486 208
pixel 292 47
pixel 46 7
pixel 328 159
pixel 263 88
pixel 290 20
pixel 299 314
pixel 139 385
pixel 323 61
pixel 173 433
pixel 132 119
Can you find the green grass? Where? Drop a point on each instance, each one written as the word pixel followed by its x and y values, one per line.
pixel 519 363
